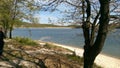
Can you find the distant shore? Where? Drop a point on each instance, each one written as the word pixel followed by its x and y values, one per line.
pixel 49 27
pixel 102 60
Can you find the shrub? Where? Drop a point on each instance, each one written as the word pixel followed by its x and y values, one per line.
pixel 25 41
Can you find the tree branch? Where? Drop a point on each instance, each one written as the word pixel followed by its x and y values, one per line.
pixel 86 26
pixel 88 10
pixel 72 4
pixel 94 29
pixel 103 27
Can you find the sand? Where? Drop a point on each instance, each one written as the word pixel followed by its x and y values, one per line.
pixel 101 60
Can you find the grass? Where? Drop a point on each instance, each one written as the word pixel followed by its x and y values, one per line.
pixel 57 48
pixel 79 60
pixel 25 41
pixel 74 57
pixel 50 46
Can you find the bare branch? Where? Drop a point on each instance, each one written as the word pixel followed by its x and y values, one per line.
pixel 88 10
pixel 94 29
pixel 72 4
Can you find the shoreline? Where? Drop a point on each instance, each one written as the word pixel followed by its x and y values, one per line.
pixel 110 55
pixel 46 27
pixel 102 60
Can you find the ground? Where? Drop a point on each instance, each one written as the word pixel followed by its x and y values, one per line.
pixel 17 55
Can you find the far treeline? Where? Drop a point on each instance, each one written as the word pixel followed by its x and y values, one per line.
pixel 38 25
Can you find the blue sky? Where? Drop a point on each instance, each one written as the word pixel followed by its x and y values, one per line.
pixel 44 16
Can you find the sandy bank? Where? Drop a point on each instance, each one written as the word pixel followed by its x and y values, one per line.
pixel 101 60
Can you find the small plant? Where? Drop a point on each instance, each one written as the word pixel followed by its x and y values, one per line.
pixel 79 59
pixel 50 46
pixel 96 66
pixel 25 41
pixel 73 57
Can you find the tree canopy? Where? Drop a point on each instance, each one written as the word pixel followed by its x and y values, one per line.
pixel 14 11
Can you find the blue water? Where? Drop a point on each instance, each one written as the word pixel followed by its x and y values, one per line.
pixel 70 37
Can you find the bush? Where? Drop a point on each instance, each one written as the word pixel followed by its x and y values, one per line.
pixel 25 41
pixel 74 57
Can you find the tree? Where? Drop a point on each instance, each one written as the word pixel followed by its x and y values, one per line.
pixel 94 19
pixel 15 11
pixel 93 48
pixel 4 15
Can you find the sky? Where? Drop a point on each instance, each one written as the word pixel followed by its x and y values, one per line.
pixel 45 16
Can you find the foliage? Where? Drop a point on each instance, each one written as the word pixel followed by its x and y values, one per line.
pixel 12 12
pixel 24 24
pixel 74 26
pixel 50 46
pixel 25 41
pixel 74 57
pixel 79 59
pixel 58 48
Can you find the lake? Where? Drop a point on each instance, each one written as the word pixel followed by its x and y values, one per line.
pixel 70 37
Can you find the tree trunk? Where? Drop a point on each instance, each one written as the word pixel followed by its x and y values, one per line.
pixel 91 51
pixel 5 32
pixel 10 33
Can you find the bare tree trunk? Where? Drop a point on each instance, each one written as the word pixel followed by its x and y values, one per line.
pixel 5 27
pixel 91 51
pixel 13 16
pixel 10 33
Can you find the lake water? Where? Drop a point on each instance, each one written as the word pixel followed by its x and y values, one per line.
pixel 70 37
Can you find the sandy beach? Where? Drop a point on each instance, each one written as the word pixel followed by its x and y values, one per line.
pixel 101 60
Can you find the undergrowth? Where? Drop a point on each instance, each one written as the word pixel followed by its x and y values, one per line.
pixel 25 41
